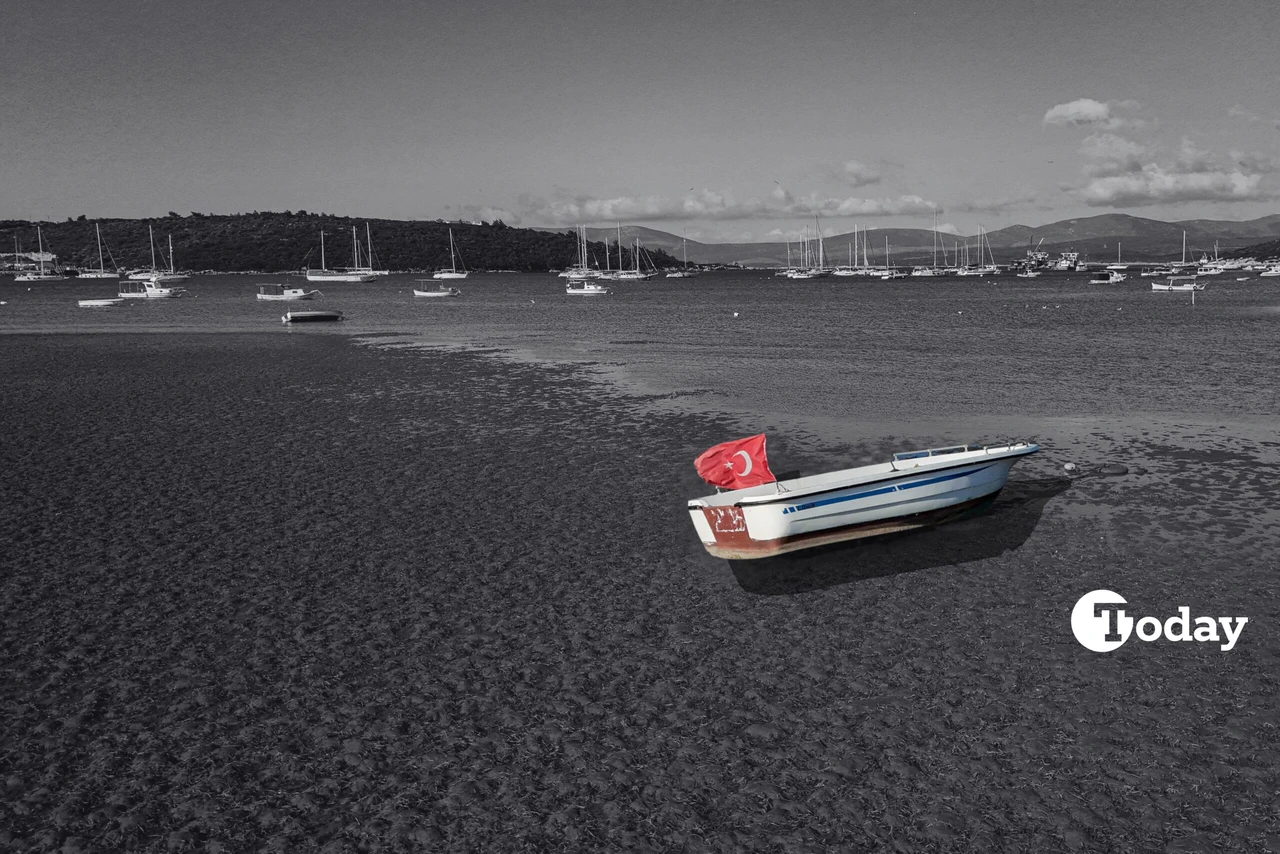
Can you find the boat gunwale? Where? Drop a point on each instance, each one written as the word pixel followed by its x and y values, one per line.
pixel 979 456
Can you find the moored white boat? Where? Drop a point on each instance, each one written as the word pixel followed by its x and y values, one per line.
pixel 1107 277
pixel 453 272
pixel 585 288
pixel 437 291
pixel 285 293
pixel 354 274
pixel 913 490
pixel 40 275
pixel 150 289
pixel 1178 283
pixel 100 303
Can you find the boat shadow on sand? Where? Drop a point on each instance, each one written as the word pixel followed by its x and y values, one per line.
pixel 985 531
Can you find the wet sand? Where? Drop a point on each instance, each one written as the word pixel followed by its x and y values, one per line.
pixel 288 592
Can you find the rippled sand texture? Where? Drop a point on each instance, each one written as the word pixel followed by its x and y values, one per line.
pixel 285 592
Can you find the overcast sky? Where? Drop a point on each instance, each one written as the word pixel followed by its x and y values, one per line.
pixel 730 121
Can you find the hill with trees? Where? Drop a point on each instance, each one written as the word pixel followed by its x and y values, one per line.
pixel 274 242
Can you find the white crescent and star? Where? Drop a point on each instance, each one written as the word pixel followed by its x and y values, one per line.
pixel 746 458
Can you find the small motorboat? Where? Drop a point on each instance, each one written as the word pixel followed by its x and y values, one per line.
pixel 585 288
pixel 101 303
pixel 441 290
pixel 913 490
pixel 1179 283
pixel 152 288
pixel 311 316
pixel 1107 277
pixel 280 293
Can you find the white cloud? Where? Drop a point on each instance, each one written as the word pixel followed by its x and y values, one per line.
pixel 1087 111
pixel 1111 155
pixel 713 205
pixel 948 228
pixel 858 174
pixel 996 205
pixel 1158 185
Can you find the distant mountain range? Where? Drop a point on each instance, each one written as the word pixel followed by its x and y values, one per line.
pixel 1096 238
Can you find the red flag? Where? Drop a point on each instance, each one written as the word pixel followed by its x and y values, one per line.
pixel 735 465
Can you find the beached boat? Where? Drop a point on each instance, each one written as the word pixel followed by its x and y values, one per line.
pixel 1107 277
pixel 437 291
pixel 355 274
pixel 150 289
pixel 102 272
pixel 285 293
pixel 453 272
pixel 39 275
pixel 100 303
pixel 311 316
pixel 913 490
pixel 1178 283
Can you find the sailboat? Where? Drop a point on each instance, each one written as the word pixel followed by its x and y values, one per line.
pixel 40 275
pixel 102 272
pixel 355 273
pixel 453 272
pixel 155 274
pixel 581 274
pixel 1118 265
pixel 636 275
pixel 684 272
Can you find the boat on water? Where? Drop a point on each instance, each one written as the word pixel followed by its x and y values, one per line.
pixel 285 293
pixel 1029 274
pixel 1118 265
pixel 452 272
pixel 150 289
pixel 1179 283
pixel 1270 271
pixel 913 490
pixel 102 272
pixel 1107 277
pixel 441 290
pixel 585 288
pixel 684 272
pixel 100 303
pixel 355 273
pixel 311 317
pixel 155 274
pixel 40 275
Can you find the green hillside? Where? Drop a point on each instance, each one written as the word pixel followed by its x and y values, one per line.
pixel 272 242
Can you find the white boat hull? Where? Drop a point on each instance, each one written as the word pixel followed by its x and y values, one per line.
pixel 98 274
pixel 808 512
pixel 449 274
pixel 338 276
pixel 101 303
pixel 452 292
pixel 290 296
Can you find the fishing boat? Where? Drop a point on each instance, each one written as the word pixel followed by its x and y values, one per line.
pixel 150 289
pixel 39 275
pixel 311 316
pixel 100 303
pixel 441 290
pixel 1107 277
pixel 102 272
pixel 913 490
pixel 452 272
pixel 285 293
pixel 585 288
pixel 1179 283
pixel 355 273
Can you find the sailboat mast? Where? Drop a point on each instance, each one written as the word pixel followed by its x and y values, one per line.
pixel 98 231
pixel 322 250
pixel 171 253
pixel 355 248
pixel 368 239
pixel 152 238
pixel 935 238
pixel 40 244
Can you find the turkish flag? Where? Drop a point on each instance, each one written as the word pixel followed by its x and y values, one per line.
pixel 735 465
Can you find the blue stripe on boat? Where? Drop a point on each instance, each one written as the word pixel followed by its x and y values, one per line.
pixel 796 508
